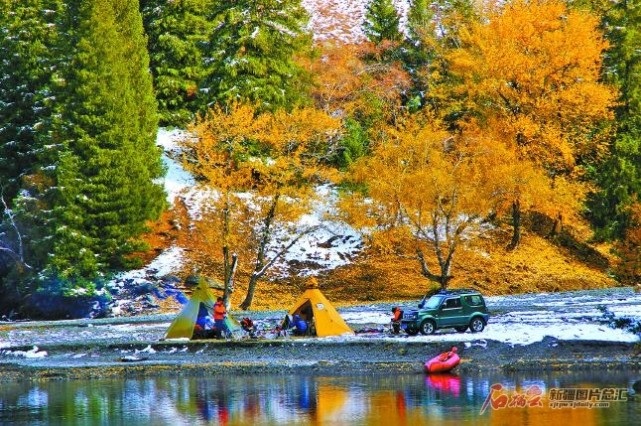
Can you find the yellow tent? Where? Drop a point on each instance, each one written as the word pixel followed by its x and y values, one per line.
pixel 183 325
pixel 314 308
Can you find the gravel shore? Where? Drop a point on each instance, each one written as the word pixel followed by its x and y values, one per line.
pixel 308 356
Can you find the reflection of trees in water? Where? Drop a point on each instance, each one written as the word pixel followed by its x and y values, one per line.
pixel 404 399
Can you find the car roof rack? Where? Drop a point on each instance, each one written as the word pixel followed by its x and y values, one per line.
pixel 457 291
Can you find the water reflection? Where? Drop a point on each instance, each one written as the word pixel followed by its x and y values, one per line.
pixel 290 400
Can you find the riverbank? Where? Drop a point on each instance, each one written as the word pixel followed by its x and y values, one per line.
pixel 559 331
pixel 305 356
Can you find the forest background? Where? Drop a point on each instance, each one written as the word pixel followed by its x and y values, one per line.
pixel 492 145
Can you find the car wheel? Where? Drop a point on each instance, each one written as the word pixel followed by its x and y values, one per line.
pixel 427 327
pixel 411 331
pixel 477 325
pixel 461 329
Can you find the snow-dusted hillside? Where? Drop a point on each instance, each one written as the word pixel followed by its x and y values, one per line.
pixel 342 20
pixel 331 245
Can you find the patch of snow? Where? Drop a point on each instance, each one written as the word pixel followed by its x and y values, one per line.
pixel 148 350
pixel 177 179
pixel 33 353
pixel 379 318
pixel 342 21
pixel 167 262
pixel 332 244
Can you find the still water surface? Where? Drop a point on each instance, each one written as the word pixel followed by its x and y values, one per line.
pixel 345 400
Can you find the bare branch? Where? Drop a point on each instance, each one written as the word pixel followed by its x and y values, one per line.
pixel 285 249
pixel 19 256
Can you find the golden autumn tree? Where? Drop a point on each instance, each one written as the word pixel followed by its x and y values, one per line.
pixel 362 85
pixel 530 72
pixel 628 249
pixel 518 184
pixel 425 191
pixel 259 172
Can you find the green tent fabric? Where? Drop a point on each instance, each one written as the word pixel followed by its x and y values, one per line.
pixel 183 325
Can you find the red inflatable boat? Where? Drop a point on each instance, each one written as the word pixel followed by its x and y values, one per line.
pixel 443 363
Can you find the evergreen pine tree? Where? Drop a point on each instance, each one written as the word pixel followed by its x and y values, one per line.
pixel 251 53
pixel 177 31
pixel 420 21
pixel 101 186
pixel 27 32
pixel 420 51
pixel 382 21
pixel 619 178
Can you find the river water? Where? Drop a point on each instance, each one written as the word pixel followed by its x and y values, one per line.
pixel 496 399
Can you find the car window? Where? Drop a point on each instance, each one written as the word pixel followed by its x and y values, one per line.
pixel 433 302
pixel 452 303
pixel 474 300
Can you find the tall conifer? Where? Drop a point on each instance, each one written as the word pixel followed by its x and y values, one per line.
pixel 619 177
pixel 27 32
pixel 100 167
pixel 177 31
pixel 251 53
pixel 382 21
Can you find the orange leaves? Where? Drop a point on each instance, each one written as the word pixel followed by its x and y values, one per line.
pixel 353 79
pixel 425 181
pixel 533 68
pixel 629 250
pixel 338 76
pixel 257 171
pixel 242 150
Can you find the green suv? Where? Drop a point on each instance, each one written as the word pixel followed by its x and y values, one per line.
pixel 458 309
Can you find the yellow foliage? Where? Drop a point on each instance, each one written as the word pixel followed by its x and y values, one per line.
pixel 629 250
pixel 257 174
pixel 425 190
pixel 533 69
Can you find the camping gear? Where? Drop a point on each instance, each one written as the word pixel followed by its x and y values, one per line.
pixel 184 323
pixel 443 363
pixel 322 317
pixel 248 326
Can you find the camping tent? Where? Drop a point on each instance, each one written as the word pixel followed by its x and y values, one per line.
pixel 183 325
pixel 313 305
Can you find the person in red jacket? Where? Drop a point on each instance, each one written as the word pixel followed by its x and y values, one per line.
pixel 396 319
pixel 219 317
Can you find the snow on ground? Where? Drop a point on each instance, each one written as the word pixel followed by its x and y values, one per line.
pixel 503 328
pixel 167 263
pixel 177 178
pixel 341 20
pixel 33 353
pixel 331 245
pixel 511 321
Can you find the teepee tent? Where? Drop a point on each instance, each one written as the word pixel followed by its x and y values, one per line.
pixel 314 308
pixel 183 325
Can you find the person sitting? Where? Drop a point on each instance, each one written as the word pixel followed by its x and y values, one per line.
pixel 299 325
pixel 396 319
pixel 248 326
pixel 204 327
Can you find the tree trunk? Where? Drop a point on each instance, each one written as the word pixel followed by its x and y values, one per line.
pixel 260 257
pixel 516 224
pixel 442 279
pixel 253 280
pixel 557 227
pixel 229 281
